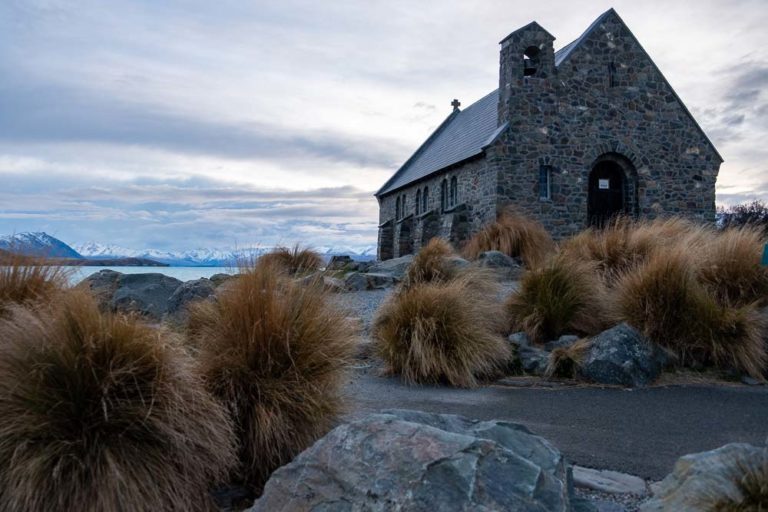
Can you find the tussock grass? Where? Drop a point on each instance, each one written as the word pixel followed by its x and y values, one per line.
pixel 561 297
pixel 730 266
pixel 294 260
pixel 442 332
pixel 98 413
pixel 25 281
pixel 431 264
pixel 514 235
pixel 565 361
pixel 665 301
pixel 274 352
pixel 751 482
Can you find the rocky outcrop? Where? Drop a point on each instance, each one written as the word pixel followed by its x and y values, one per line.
pixel 708 480
pixel 501 264
pixel 621 356
pixel 533 360
pixel 103 285
pixel 396 267
pixel 186 294
pixel 145 294
pixel 359 282
pixel 415 461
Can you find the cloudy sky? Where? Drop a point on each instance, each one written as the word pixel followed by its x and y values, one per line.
pixel 182 124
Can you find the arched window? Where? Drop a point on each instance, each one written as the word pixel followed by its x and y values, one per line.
pixel 444 195
pixel 425 200
pixel 418 201
pixel 531 61
pixel 454 191
pixel 397 208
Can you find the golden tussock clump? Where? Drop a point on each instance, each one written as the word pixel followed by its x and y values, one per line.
pixel 564 362
pixel 27 281
pixel 432 264
pixel 561 297
pixel 295 260
pixel 98 413
pixel 443 332
pixel 665 301
pixel 516 236
pixel 274 352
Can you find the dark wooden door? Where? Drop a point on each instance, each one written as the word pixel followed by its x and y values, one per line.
pixel 606 193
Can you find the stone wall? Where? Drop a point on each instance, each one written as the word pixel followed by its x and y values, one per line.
pixel 475 206
pixel 607 98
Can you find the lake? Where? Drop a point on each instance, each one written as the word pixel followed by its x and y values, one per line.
pixel 77 274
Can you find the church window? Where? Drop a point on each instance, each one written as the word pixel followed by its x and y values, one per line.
pixel 444 195
pixel 418 201
pixel 454 191
pixel 425 200
pixel 531 61
pixel 545 182
pixel 611 75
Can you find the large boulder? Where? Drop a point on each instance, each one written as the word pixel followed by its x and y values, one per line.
pixel 503 265
pixel 187 293
pixel 145 294
pixel 700 480
pixel 103 285
pixel 359 282
pixel 339 262
pixel 533 360
pixel 396 267
pixel 622 356
pixel 416 461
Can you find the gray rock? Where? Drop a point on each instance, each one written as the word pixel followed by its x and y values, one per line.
pixel 415 461
pixel 520 339
pixel 699 479
pixel 103 285
pixel 331 284
pixel 566 340
pixel 339 262
pixel 146 294
pixel 621 356
pixel 533 360
pixel 186 294
pixel 219 279
pixel 509 268
pixel 396 267
pixel 359 282
pixel 608 481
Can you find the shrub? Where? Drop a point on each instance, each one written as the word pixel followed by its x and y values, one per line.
pixel 664 300
pixel 561 297
pixel 514 235
pixel 442 332
pixel 730 266
pixel 431 264
pixel 97 413
pixel 273 351
pixel 26 281
pixel 564 361
pixel 293 260
pixel 754 214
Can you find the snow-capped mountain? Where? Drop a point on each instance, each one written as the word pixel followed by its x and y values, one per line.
pixel 207 257
pixel 39 245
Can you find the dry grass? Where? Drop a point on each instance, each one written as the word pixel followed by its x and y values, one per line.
pixel 431 264
pixel 294 260
pixel 665 301
pixel 274 352
pixel 565 361
pixel 442 332
pixel 515 236
pixel 751 479
pixel 730 266
pixel 561 297
pixel 98 413
pixel 24 281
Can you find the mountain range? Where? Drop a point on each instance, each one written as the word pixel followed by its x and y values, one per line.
pixel 42 244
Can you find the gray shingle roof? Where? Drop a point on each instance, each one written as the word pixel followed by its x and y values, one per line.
pixel 462 135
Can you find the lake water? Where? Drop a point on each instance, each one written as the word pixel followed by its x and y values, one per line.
pixel 77 274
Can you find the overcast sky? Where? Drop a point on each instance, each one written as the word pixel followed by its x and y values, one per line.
pixel 184 124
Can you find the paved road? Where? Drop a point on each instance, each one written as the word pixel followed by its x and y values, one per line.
pixel 641 432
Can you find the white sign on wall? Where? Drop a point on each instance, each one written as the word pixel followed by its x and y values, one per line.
pixel 604 184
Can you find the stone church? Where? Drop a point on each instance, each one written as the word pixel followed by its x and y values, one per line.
pixel 570 138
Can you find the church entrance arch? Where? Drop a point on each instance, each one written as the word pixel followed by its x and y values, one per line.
pixel 612 190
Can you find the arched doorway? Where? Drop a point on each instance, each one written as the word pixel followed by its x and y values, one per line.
pixel 611 190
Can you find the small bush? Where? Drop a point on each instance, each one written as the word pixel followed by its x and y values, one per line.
pixel 664 300
pixel 26 281
pixel 295 260
pixel 515 236
pixel 561 297
pixel 564 362
pixel 730 266
pixel 431 264
pixel 274 352
pixel 98 413
pixel 442 332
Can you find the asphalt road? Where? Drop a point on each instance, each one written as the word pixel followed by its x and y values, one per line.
pixel 641 432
